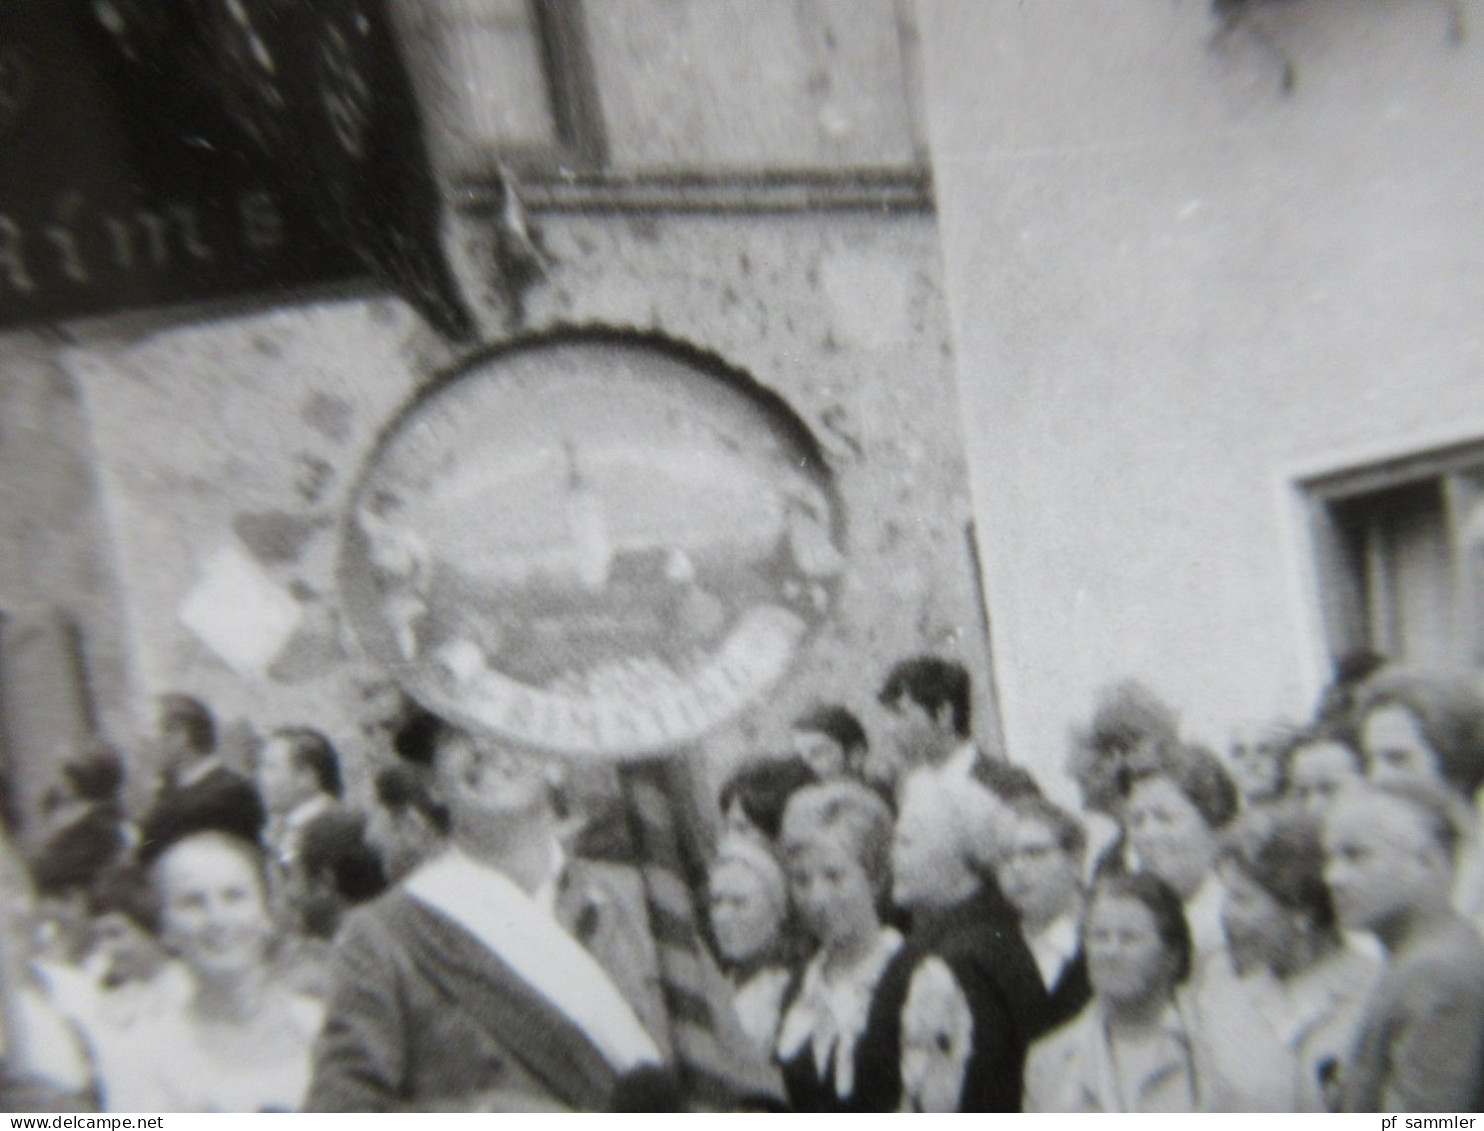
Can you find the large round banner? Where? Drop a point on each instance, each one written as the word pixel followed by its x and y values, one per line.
pixel 592 543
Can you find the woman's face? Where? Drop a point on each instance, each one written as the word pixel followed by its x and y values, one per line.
pixel 1126 960
pixel 1169 834
pixel 1317 772
pixel 1395 747
pixel 1259 932
pixel 832 892
pixel 746 922
pixel 215 915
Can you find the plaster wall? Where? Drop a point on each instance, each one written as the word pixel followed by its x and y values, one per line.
pixel 1175 289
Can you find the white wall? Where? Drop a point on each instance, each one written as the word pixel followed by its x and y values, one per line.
pixel 1174 287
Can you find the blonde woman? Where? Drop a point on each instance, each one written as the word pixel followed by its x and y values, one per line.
pixel 836 846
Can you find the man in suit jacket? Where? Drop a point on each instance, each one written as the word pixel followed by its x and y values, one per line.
pixel 499 975
pixel 1389 857
pixel 198 788
pixel 955 1011
pixel 1042 878
pixel 930 704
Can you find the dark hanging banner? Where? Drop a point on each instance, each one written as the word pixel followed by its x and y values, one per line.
pixel 157 152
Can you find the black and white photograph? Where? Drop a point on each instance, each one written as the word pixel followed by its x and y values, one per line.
pixel 742 556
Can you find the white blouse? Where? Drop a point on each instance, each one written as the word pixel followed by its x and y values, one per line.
pixel 831 1011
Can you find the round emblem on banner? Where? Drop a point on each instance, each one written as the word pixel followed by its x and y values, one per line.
pixel 594 544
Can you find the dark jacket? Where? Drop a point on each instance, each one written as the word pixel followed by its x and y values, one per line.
pixel 980 942
pixel 222 799
pixel 423 1016
pixel 1067 998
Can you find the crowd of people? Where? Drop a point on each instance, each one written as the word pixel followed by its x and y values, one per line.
pixel 903 921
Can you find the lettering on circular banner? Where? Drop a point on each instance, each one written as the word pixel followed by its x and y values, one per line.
pixel 595 544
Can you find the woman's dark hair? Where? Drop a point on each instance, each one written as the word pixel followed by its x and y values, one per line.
pixel 763 788
pixel 123 889
pixel 1199 775
pixel 178 818
pixel 1279 849
pixel 334 849
pixel 310 750
pixel 838 724
pixel 398 789
pixel 1164 907
pixel 1450 713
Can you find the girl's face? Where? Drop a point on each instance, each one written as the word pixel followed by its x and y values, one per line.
pixel 744 919
pixel 1126 960
pixel 1395 747
pixel 1169 834
pixel 215 915
pixel 1259 931
pixel 832 892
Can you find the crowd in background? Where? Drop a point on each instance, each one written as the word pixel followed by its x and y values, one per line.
pixel 905 921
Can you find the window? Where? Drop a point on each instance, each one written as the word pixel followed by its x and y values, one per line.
pixel 1401 557
pixel 624 89
pixel 505 82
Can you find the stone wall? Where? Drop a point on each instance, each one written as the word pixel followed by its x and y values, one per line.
pixel 226 449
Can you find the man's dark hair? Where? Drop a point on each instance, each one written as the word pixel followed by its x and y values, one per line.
pixel 930 682
pixel 194 718
pixel 837 723
pixel 310 750
pixel 763 789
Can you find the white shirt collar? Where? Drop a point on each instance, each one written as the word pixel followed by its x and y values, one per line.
pixel 961 762
pixel 306 811
pixel 196 771
pixel 1203 910
pixel 830 1014
pixel 1053 947
pixel 545 895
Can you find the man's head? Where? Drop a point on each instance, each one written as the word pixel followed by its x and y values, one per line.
pixel 830 740
pixel 929 701
pixel 295 764
pixel 489 784
pixel 1388 852
pixel 186 729
pixel 949 837
pixel 1041 874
